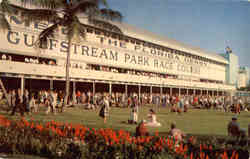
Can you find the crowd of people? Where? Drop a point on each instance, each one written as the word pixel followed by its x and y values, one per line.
pixel 177 103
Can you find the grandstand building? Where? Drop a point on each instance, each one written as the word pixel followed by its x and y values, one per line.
pixel 135 61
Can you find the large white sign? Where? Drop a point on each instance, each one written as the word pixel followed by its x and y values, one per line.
pixel 105 52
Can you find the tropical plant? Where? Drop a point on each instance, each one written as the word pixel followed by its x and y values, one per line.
pixel 62 13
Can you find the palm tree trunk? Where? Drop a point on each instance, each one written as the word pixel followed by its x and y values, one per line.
pixel 67 74
pixel 5 92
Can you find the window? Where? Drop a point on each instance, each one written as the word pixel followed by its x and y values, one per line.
pixel 89 30
pixel 126 39
pixel 107 34
pixel 121 37
pixel 97 32
pixel 114 36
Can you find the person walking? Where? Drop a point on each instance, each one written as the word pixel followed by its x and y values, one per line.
pixel 49 102
pixel 26 101
pixel 18 99
pixel 104 112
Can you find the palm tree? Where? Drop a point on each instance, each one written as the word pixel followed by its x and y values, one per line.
pixel 63 13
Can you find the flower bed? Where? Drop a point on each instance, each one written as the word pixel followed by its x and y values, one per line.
pixel 58 140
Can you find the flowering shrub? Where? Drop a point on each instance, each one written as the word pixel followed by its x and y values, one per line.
pixel 58 140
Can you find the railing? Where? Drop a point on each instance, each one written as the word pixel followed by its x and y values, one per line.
pixel 76 73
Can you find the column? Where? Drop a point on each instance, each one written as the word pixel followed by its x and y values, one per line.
pixel 22 85
pixel 93 87
pixel 74 92
pixel 110 88
pixel 171 91
pixel 139 92
pixel 161 90
pixel 51 84
pixel 151 90
pixel 194 92
pixel 179 91
pixel 126 90
pixel 207 92
pixel 187 91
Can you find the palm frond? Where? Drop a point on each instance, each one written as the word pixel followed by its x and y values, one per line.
pixel 105 25
pixel 4 24
pixel 7 7
pixel 83 5
pixel 76 30
pixel 45 35
pixel 111 14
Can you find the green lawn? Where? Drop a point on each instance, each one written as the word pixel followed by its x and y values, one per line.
pixel 199 122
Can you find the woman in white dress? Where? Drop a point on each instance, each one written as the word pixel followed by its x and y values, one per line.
pixel 152 119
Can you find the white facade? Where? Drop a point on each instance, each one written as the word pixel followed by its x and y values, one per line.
pixel 242 80
pixel 232 69
pixel 156 56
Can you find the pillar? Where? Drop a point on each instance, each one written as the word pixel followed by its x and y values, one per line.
pixel 74 92
pixel 161 90
pixel 207 92
pixel 22 85
pixel 187 91
pixel 51 84
pixel 171 91
pixel 93 87
pixel 194 92
pixel 139 92
pixel 110 88
pixel 151 90
pixel 179 91
pixel 126 90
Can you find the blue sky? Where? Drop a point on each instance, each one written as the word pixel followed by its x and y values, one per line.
pixel 209 24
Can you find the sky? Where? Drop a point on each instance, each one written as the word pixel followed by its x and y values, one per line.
pixel 208 24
